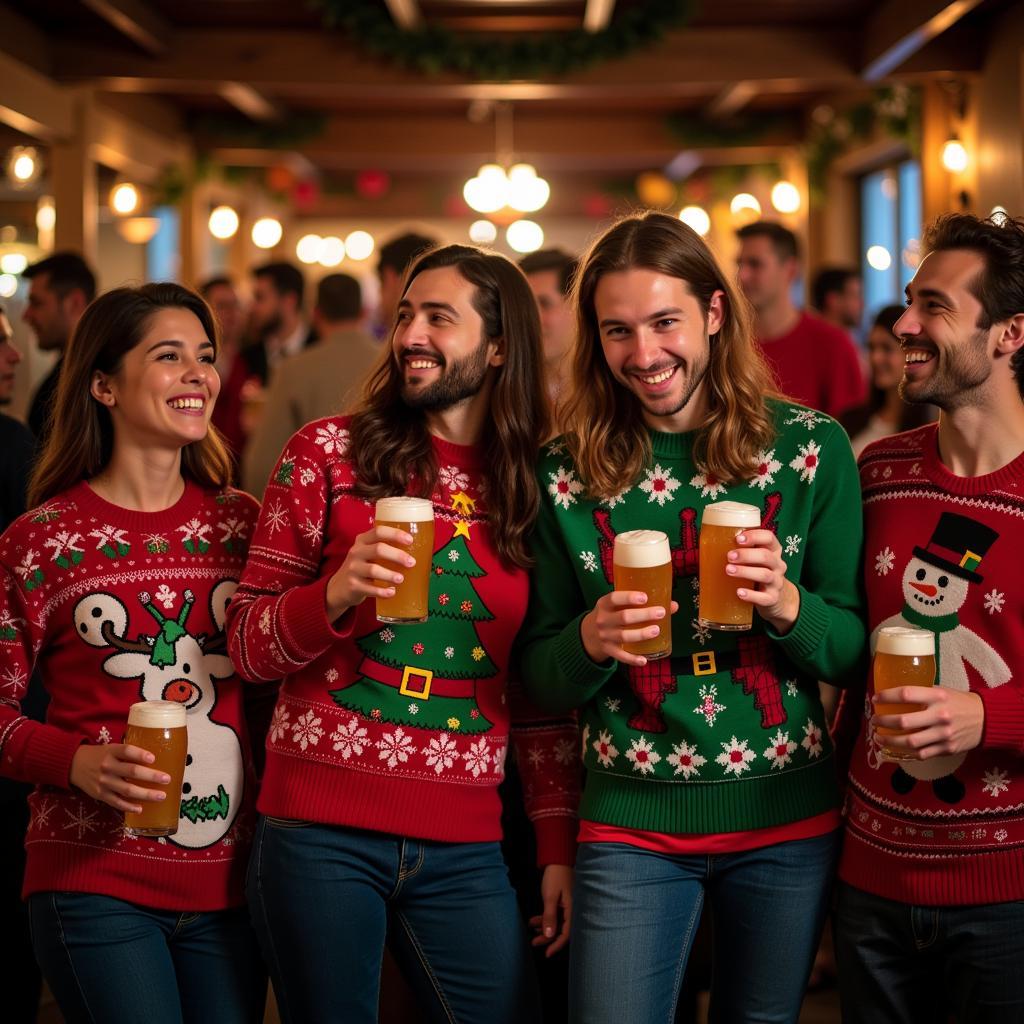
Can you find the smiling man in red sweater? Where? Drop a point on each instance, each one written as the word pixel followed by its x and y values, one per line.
pixel 932 874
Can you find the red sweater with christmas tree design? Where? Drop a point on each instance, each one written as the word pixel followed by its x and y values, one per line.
pixel 394 728
pixel 117 606
pixel 942 554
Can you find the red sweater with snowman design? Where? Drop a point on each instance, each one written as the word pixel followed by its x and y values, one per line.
pixel 400 728
pixel 942 554
pixel 116 606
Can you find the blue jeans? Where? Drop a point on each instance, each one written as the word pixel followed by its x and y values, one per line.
pixel 905 964
pixel 108 961
pixel 635 914
pixel 326 899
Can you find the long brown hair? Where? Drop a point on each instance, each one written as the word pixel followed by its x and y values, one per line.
pixel 82 433
pixel 389 440
pixel 604 425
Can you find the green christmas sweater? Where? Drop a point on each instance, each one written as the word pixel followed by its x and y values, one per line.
pixel 728 734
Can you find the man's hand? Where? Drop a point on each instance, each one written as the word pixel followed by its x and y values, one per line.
pixel 950 721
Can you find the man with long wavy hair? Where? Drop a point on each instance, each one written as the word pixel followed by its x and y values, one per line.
pixel 710 773
pixel 389 742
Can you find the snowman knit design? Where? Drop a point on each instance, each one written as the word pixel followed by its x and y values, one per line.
pixel 727 734
pixel 941 554
pixel 114 607
pixel 394 727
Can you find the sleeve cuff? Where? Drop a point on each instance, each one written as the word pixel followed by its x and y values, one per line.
pixel 304 613
pixel 47 754
pixel 574 662
pixel 556 840
pixel 1004 718
pixel 805 638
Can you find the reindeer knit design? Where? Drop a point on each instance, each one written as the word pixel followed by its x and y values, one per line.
pixel 942 553
pixel 114 607
pixel 728 734
pixel 400 728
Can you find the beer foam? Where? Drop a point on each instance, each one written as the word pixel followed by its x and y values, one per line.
pixel 404 510
pixel 905 641
pixel 157 714
pixel 732 513
pixel 642 549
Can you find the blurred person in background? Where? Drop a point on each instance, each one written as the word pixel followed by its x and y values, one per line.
pixel 222 297
pixel 62 285
pixel 814 362
pixel 323 379
pixel 392 262
pixel 884 412
pixel 550 273
pixel 20 978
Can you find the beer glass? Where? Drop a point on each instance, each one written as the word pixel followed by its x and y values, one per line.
pixel 159 727
pixel 903 657
pixel 720 608
pixel 642 560
pixel 415 516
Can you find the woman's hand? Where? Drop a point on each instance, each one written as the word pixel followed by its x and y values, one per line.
pixel 364 573
pixel 618 618
pixel 110 773
pixel 556 894
pixel 757 560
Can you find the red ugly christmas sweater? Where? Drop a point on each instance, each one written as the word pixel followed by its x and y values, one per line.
pixel 113 607
pixel 942 553
pixel 394 728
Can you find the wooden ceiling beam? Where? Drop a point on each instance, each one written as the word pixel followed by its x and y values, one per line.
pixel 250 102
pixel 296 64
pixel 434 144
pixel 898 29
pixel 136 20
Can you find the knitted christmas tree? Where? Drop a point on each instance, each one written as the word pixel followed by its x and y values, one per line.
pixel 424 674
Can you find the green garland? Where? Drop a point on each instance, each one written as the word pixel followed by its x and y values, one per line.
pixel 433 50
pixel 894 112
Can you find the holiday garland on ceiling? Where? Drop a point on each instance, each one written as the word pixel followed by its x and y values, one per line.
pixel 434 49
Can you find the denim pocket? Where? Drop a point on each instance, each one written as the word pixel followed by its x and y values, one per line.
pixel 286 822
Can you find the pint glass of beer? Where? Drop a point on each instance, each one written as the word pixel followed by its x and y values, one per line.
pixel 414 516
pixel 159 727
pixel 720 608
pixel 903 657
pixel 642 560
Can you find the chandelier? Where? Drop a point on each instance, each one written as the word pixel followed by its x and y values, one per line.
pixel 504 184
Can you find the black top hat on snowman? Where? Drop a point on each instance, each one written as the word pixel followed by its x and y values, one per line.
pixel 958 545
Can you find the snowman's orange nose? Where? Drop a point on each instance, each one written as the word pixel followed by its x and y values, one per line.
pixel 926 588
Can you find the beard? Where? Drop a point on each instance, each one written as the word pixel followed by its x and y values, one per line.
pixel 959 372
pixel 658 407
pixel 461 380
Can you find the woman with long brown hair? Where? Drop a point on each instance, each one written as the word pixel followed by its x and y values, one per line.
pixel 380 809
pixel 115 586
pixel 709 771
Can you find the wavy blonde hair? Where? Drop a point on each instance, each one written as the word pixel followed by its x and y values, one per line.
pixel 604 426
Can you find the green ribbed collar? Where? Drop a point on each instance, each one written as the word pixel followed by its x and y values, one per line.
pixel 671 446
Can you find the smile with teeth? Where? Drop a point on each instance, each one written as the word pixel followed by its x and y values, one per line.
pixel 656 378
pixel 186 403
pixel 422 364
pixel 917 355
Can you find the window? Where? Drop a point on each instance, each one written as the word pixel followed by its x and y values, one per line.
pixel 890 232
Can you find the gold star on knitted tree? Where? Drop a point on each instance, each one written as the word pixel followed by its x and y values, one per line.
pixel 463 503
pixel 462 529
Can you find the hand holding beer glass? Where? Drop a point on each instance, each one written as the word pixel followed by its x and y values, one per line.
pixel 903 657
pixel 720 608
pixel 633 623
pixel 158 726
pixel 389 562
pixel 416 517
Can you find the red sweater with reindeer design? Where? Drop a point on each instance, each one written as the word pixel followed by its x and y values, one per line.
pixel 116 606
pixel 394 728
